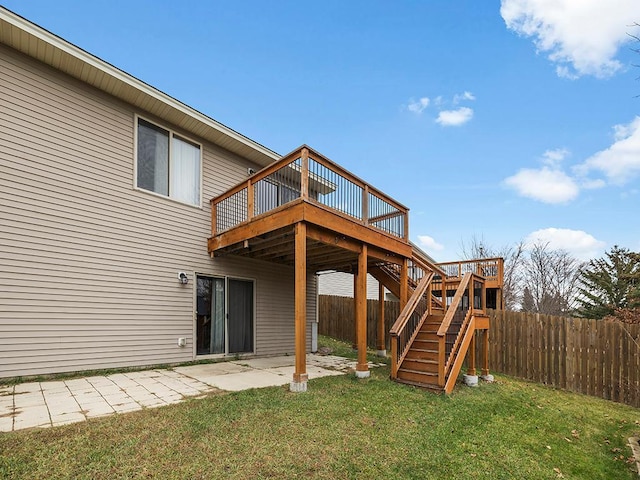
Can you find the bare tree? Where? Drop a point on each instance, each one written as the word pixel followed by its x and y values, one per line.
pixel 636 50
pixel 550 277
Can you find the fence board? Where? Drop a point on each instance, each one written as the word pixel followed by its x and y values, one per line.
pixel 591 359
pixel 582 358
pixel 614 352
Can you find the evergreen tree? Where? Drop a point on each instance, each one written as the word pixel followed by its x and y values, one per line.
pixel 609 283
pixel 528 303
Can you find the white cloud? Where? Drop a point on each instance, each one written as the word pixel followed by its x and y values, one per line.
pixel 621 161
pixel 577 242
pixel 548 185
pixel 553 158
pixel 459 97
pixel 419 105
pixel 429 244
pixel 582 37
pixel 593 184
pixel 455 118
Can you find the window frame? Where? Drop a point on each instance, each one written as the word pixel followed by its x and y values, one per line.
pixel 172 133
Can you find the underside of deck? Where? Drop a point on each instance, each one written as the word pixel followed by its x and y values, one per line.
pixel 333 241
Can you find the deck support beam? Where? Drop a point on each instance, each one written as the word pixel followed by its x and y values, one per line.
pixel 485 356
pixel 471 378
pixel 382 341
pixel 300 377
pixel 471 356
pixel 360 296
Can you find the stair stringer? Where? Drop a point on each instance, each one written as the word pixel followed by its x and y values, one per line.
pixel 452 376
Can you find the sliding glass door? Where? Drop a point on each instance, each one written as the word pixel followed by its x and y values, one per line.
pixel 224 317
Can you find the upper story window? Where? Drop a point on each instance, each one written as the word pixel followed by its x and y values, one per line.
pixel 168 164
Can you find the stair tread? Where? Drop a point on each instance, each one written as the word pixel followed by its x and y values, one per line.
pixel 422 360
pixel 429 386
pixel 419 372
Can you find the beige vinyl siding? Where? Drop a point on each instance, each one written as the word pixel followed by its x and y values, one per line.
pixel 341 284
pixel 88 264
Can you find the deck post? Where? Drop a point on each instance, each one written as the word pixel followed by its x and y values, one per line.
pixel 471 378
pixel 382 341
pixel 214 221
pixel 471 356
pixel 365 205
pixel 354 345
pixel 360 294
pixel 444 294
pixel 404 283
pixel 485 357
pixel 250 200
pixel 300 377
pixel 304 173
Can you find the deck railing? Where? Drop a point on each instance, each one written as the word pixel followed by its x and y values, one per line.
pixel 308 175
pixel 492 269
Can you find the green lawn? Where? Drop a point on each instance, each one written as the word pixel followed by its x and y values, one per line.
pixel 343 428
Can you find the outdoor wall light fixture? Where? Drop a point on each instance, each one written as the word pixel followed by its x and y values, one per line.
pixel 182 277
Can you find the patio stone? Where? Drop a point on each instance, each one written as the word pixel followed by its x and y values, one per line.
pixel 53 403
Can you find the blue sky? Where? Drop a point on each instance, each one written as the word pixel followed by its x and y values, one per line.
pixel 507 121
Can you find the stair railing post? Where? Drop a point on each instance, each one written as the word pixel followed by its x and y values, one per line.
pixel 404 283
pixel 394 356
pixel 484 297
pixel 441 360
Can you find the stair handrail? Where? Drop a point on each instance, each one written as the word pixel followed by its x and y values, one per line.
pixel 449 362
pixel 444 360
pixel 456 344
pixel 426 264
pixel 398 352
pixel 393 271
pixel 465 336
pixel 451 309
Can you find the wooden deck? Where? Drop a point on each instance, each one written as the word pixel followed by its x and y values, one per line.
pixel 256 219
pixel 308 212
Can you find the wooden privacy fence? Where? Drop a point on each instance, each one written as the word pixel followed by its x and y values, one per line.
pixel 593 357
pixel 336 318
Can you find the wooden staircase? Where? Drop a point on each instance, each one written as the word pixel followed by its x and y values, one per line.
pixel 432 335
pixel 420 365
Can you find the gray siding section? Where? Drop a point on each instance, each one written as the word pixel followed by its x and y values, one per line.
pixel 88 264
pixel 341 284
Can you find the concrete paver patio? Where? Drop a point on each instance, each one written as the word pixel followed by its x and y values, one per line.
pixel 58 402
